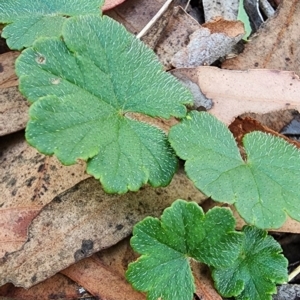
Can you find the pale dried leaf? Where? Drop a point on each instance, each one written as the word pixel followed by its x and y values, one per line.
pixel 84 220
pixel 275 46
pixel 236 92
pixel 207 44
pixel 227 9
pixel 101 281
pixel 29 180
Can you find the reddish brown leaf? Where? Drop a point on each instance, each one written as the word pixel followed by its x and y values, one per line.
pixel 101 281
pixel 56 287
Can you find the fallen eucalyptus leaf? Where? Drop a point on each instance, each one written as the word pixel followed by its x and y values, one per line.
pixel 29 180
pixel 82 221
pixel 237 92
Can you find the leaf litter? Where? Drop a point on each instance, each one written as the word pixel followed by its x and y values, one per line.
pixel 131 11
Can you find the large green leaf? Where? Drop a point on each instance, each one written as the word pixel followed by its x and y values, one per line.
pixel 82 89
pixel 263 189
pixel 258 269
pixel 166 246
pixel 30 19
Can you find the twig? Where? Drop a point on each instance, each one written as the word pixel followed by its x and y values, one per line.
pixel 187 4
pixel 154 19
pixel 294 274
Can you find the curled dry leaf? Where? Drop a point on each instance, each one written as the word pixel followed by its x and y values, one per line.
pixel 209 43
pixel 29 180
pixel 276 44
pixel 238 92
pixel 84 220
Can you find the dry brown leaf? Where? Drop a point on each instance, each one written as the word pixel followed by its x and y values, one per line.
pixel 207 44
pixel 101 281
pixel 276 45
pixel 13 110
pixel 275 120
pixel 175 35
pixel 118 257
pixel 243 125
pixel 8 77
pixel 56 287
pixel 135 14
pixel 84 220
pixel 236 92
pixel 13 106
pixel 230 28
pixel 227 9
pixel 204 284
pixel 29 180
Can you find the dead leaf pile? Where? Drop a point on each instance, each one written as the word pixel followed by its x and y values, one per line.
pixel 61 234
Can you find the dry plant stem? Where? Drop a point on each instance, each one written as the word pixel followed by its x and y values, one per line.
pixel 266 8
pixel 154 19
pixel 294 274
pixel 187 5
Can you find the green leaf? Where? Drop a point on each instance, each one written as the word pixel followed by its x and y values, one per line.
pixel 263 189
pixel 242 16
pixel 256 271
pixel 29 20
pixel 83 88
pixel 166 246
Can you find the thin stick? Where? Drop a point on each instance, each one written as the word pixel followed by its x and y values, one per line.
pixel 154 19
pixel 187 4
pixel 294 274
